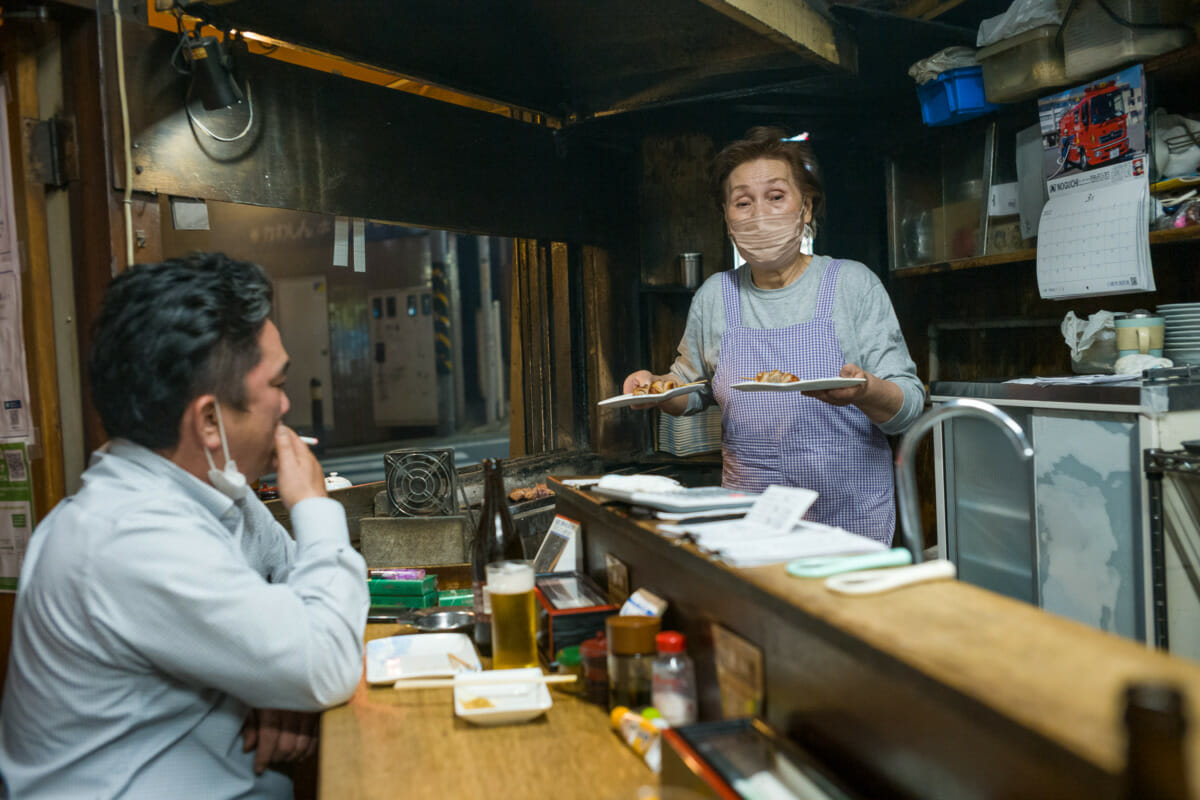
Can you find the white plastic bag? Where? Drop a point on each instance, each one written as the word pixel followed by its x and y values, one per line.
pixel 929 68
pixel 1021 16
pixel 1093 343
pixel 1176 148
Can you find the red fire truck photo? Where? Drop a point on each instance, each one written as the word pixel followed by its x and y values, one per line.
pixel 1094 130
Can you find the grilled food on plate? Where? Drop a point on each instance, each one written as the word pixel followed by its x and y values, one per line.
pixel 776 376
pixel 658 387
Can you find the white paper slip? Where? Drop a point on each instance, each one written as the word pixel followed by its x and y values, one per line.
pixel 622 400
pixel 813 385
pixel 1077 380
pixel 780 507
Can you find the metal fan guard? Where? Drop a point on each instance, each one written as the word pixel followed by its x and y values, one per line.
pixel 421 483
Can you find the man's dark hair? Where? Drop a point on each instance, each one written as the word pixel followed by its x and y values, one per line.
pixel 170 332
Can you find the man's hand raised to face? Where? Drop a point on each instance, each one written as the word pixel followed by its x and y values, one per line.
pixel 299 474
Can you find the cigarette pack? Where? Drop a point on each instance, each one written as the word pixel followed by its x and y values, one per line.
pixel 386 587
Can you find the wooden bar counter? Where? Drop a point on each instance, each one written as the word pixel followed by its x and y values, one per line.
pixel 940 690
pixel 387 744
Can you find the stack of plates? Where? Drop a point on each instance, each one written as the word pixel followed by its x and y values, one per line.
pixel 1181 337
pixel 688 436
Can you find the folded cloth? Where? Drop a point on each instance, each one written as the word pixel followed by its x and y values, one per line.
pixel 1137 363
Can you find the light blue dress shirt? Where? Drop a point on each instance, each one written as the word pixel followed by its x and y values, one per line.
pixel 153 612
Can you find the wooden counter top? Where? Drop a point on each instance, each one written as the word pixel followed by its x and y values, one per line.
pixel 387 744
pixel 954 646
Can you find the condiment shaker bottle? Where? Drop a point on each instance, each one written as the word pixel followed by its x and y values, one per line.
pixel 630 659
pixel 673 685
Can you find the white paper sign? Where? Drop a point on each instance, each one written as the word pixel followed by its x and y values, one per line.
pixel 780 508
pixel 341 242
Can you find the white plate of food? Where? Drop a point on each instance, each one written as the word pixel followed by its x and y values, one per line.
pixel 485 699
pixel 779 381
pixel 420 655
pixel 665 391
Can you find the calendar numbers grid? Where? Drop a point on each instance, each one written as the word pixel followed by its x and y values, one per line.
pixel 1095 241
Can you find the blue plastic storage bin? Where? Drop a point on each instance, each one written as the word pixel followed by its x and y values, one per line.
pixel 954 96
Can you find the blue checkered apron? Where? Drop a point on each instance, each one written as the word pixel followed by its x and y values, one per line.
pixel 789 439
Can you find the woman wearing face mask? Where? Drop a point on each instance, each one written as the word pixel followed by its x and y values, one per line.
pixel 810 315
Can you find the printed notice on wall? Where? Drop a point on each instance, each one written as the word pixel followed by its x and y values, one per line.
pixel 15 423
pixel 16 512
pixel 14 388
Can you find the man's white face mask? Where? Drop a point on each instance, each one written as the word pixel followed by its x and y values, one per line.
pixel 229 481
pixel 772 241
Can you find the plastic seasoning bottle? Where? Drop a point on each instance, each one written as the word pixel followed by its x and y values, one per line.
pixel 639 734
pixel 673 690
pixel 630 658
pixel 570 663
pixel 650 713
pixel 594 657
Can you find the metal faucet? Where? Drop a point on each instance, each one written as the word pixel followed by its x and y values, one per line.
pixel 906 478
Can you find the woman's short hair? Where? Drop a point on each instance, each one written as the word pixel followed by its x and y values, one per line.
pixel 170 332
pixel 768 142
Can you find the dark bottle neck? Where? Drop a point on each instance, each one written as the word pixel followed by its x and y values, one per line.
pixel 1154 719
pixel 493 480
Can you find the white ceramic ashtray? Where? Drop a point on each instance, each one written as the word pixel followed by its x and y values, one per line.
pixel 501 696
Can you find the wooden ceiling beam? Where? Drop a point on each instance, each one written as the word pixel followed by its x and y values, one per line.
pixel 793 24
pixel 927 9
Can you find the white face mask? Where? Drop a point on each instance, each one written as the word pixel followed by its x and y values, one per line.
pixel 772 241
pixel 229 481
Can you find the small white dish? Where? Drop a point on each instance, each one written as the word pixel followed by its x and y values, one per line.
pixel 421 655
pixel 622 400
pixel 519 701
pixel 814 385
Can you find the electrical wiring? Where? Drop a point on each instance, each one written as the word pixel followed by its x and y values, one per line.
pixel 128 198
pixel 187 105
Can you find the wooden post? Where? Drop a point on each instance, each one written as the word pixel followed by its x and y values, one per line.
pixel 29 208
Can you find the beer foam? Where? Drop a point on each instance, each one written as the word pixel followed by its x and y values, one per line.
pixel 510 578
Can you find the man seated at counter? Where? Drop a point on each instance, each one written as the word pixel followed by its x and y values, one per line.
pixel 809 315
pixel 170 639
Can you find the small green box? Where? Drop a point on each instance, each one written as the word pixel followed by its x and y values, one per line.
pixel 394 601
pixel 384 587
pixel 456 597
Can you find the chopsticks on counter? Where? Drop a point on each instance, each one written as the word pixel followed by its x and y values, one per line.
pixel 448 683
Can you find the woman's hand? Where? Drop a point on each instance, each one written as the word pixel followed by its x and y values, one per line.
pixel 643 377
pixel 877 398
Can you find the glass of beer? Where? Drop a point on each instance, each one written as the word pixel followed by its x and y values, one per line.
pixel 514 617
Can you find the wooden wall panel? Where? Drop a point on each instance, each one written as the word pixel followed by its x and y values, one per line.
pixel 609 319
pixel 29 207
pixel 679 214
pixel 563 384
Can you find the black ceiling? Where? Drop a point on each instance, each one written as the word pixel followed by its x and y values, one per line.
pixel 565 58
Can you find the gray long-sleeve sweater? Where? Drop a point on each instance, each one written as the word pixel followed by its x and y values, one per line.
pixel 863 317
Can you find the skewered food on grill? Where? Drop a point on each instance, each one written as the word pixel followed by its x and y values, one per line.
pixel 530 493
